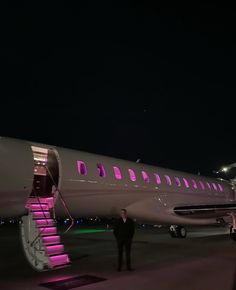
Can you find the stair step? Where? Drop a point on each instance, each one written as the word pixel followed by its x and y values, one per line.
pixel 38 206
pixel 62 266
pixel 45 222
pixel 51 240
pixel 46 200
pixel 41 214
pixel 48 231
pixel 52 250
pixel 58 260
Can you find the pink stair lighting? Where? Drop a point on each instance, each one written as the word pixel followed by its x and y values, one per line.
pixel 41 215
pixel 51 240
pixel 45 222
pixel 40 209
pixel 48 231
pixel 55 249
pixel 59 260
pixel 38 206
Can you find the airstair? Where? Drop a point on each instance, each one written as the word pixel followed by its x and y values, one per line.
pixel 41 240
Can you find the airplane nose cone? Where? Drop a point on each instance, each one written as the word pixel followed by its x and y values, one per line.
pixel 16 175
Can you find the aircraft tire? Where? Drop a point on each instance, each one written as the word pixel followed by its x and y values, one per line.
pixel 181 232
pixel 232 234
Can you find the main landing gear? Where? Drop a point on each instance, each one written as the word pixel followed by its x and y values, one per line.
pixel 177 232
pixel 232 231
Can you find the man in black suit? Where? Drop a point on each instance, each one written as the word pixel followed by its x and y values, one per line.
pixel 124 232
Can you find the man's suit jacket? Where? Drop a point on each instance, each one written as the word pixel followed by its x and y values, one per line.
pixel 124 231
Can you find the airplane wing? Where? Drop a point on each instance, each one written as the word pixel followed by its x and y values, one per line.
pixel 209 210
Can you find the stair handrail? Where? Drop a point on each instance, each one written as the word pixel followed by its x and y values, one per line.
pixel 62 200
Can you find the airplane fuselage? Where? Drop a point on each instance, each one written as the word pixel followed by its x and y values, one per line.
pixel 98 185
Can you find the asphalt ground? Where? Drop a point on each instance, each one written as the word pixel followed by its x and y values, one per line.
pixel 205 260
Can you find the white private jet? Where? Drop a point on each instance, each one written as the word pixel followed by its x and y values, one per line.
pixel 34 177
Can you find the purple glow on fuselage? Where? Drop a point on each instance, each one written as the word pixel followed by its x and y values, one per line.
pixel 168 180
pixel 101 170
pixel 158 179
pixel 178 183
pixel 186 182
pixel 145 177
pixel 194 184
pixel 82 169
pixel 117 172
pixel 132 174
pixel 202 185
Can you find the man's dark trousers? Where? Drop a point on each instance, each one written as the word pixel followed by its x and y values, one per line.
pixel 124 244
pixel 124 232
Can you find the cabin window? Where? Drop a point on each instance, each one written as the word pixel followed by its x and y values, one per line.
pixel 220 187
pixel 82 169
pixel 208 185
pixel 145 177
pixel 132 174
pixel 214 186
pixel 117 172
pixel 186 182
pixel 178 183
pixel 158 179
pixel 168 180
pixel 194 184
pixel 101 170
pixel 202 185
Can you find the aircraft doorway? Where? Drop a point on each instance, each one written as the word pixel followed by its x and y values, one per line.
pixel 46 171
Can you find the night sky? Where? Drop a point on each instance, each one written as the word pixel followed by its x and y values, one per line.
pixel 129 80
